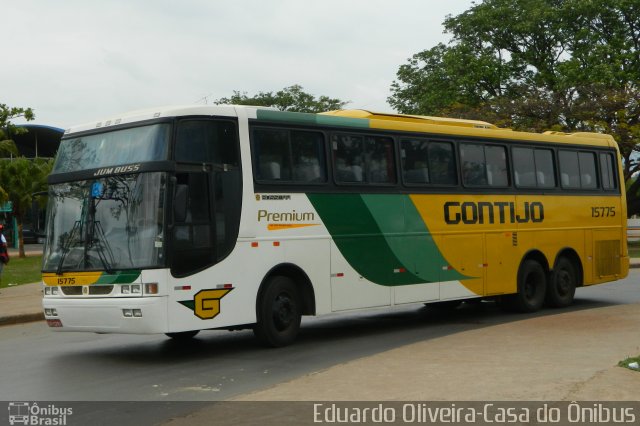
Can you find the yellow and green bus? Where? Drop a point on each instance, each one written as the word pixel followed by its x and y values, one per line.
pixel 180 219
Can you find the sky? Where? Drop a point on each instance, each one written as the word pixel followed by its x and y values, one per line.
pixel 75 61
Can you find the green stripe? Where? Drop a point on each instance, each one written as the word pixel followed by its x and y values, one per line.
pixel 379 233
pixel 408 237
pixel 311 119
pixel 123 277
pixel 359 239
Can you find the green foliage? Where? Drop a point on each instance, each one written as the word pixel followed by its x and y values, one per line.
pixel 291 98
pixel 20 178
pixel 570 65
pixel 7 146
pixel 625 363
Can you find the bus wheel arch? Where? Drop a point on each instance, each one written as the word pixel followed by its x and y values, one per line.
pixel 285 295
pixel 566 275
pixel 532 277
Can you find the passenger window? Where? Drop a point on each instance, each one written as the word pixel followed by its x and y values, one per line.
pixel 272 151
pixel 473 165
pixel 569 169
pixel 363 159
pixel 545 170
pixel 289 156
pixel 607 171
pixel 587 170
pixel 442 164
pixel 415 161
pixel 484 165
pixel 425 162
pixel 533 168
pixel 578 170
pixel 524 168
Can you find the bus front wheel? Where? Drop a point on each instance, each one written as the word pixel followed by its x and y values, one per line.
pixel 532 286
pixel 562 285
pixel 279 313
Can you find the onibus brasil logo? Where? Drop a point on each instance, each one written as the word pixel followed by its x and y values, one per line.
pixel 32 414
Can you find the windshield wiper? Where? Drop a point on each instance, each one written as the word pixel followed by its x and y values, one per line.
pixel 66 248
pixel 102 247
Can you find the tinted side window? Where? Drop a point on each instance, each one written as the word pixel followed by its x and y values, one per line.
pixel 442 164
pixel 271 147
pixel 484 165
pixel 473 165
pixel 363 159
pixel 283 155
pixel 533 168
pixel 545 170
pixel 192 236
pixel 607 171
pixel 524 168
pixel 569 169
pixel 578 170
pixel 588 179
pixel 426 162
pixel 307 157
pixel 207 141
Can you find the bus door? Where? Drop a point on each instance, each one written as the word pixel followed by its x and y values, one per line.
pixel 207 194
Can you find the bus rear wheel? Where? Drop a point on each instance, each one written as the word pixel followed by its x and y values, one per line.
pixel 279 313
pixel 562 285
pixel 532 286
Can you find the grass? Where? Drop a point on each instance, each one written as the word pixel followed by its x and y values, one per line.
pixel 22 271
pixel 628 361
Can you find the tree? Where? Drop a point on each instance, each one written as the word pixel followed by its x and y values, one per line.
pixel 570 65
pixel 20 177
pixel 291 98
pixel 7 146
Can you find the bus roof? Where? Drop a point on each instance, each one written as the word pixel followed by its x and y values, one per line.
pixel 356 118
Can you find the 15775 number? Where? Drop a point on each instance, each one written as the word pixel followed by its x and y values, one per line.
pixel 603 211
pixel 66 281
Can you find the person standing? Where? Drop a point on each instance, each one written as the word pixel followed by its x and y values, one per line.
pixel 4 252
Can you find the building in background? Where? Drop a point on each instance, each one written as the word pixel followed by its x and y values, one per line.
pixel 38 141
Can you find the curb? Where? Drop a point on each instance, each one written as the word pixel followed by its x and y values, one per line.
pixel 21 318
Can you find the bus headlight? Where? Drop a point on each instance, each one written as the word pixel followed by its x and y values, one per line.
pixel 136 289
pixel 125 289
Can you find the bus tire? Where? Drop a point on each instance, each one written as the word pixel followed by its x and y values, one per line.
pixel 562 284
pixel 532 286
pixel 183 335
pixel 279 313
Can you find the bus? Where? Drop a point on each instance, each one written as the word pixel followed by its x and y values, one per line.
pixel 180 219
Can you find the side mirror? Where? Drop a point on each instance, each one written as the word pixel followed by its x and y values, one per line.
pixel 180 202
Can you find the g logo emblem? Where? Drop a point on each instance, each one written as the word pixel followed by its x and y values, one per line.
pixel 207 302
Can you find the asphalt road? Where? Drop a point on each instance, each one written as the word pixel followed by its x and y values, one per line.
pixel 37 364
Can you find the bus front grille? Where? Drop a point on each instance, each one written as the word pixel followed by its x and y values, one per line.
pixel 92 290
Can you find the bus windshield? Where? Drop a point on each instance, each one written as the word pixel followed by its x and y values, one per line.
pixel 106 224
pixel 125 146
